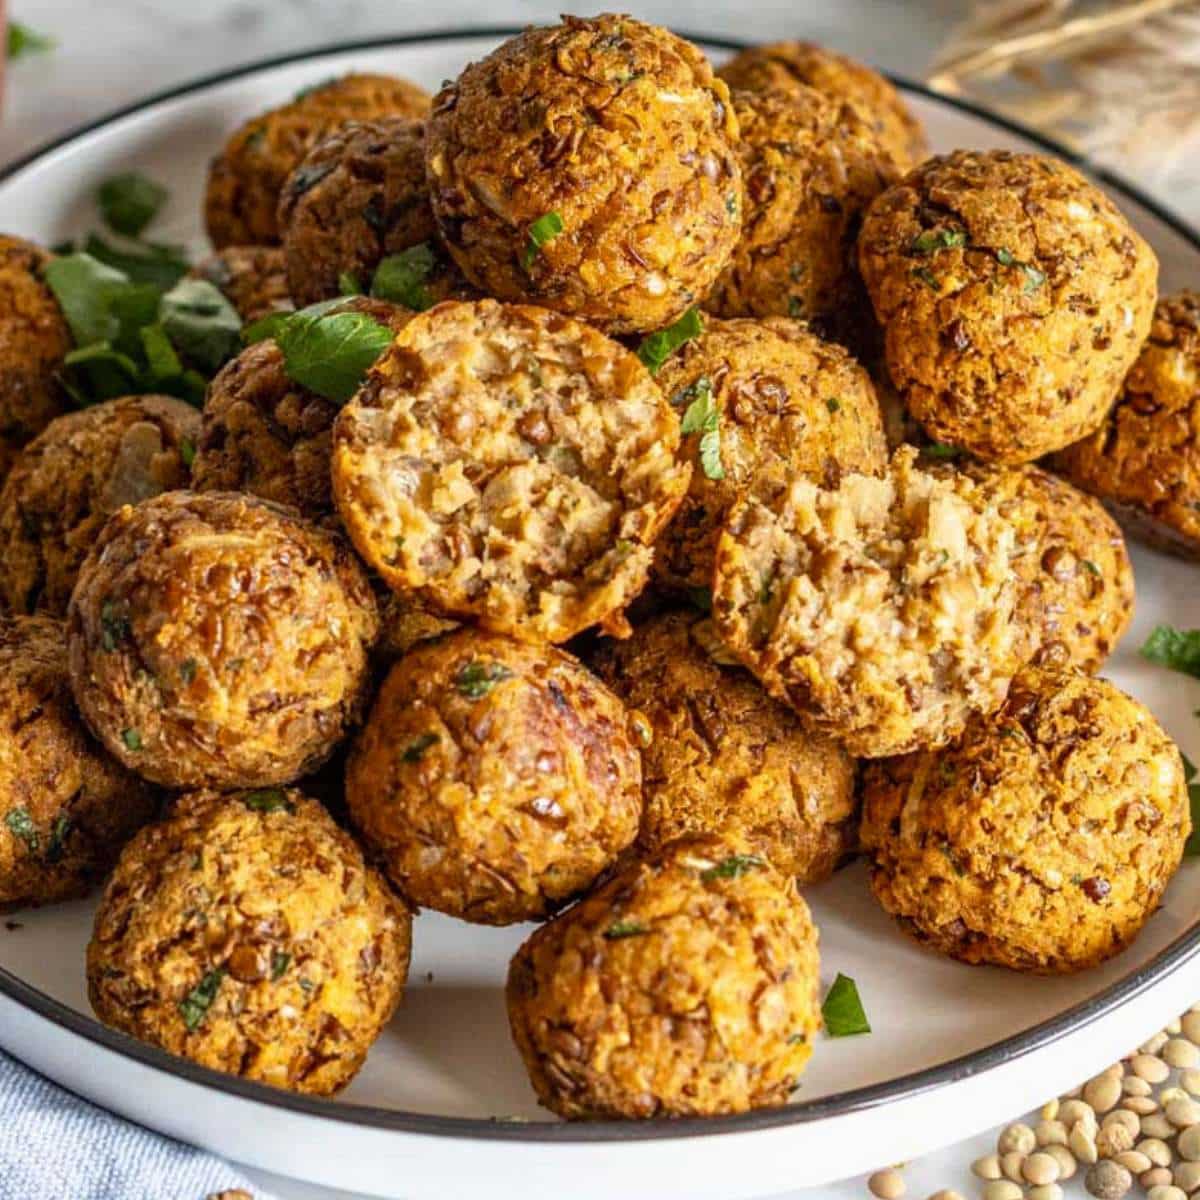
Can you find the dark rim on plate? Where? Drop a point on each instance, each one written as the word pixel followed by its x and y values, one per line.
pixel 497 1129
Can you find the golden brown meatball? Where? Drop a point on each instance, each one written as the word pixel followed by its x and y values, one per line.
pixel 245 179
pixel 245 932
pixel 724 758
pixel 219 641
pixel 589 167
pixel 685 986
pixel 510 465
pixel 797 66
pixel 782 403
pixel 1042 839
pixel 882 610
pixel 1144 460
pixel 494 780
pixel 72 477
pixel 33 340
pixel 1014 297
pixel 66 808
pixel 252 278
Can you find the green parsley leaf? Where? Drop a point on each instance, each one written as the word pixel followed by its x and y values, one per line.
pixel 59 833
pixel 401 277
pixel 270 325
pixel 833 404
pixel 195 1005
pixel 201 323
pixel 331 354
pixel 129 202
pixel 114 628
pixel 476 679
pixel 1004 258
pixel 132 740
pixel 162 363
pixel 20 824
pixel 415 750
pixel 710 455
pixel 103 352
pixel 85 289
pixel 1033 277
pixel 843 1010
pixel 23 41
pixel 941 450
pixel 927 277
pixel 268 800
pixel 348 284
pixel 1178 649
pixel 545 229
pixel 156 263
pixel 280 961
pixel 187 452
pixel 704 417
pixel 187 671
pixel 1090 567
pixel 658 347
pixel 625 929
pixel 938 239
pixel 732 867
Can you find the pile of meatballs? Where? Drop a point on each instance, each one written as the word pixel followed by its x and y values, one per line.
pixel 743 497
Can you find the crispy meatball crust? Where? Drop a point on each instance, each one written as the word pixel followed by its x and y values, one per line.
pixel 245 932
pixel 66 807
pixel 72 477
pixel 797 66
pixel 512 466
pixel 685 986
pixel 1042 839
pixel 788 403
pixel 406 622
pixel 252 278
pixel 724 758
pixel 619 128
pixel 1014 297
pixel 882 610
pixel 494 779
pixel 245 179
pixel 220 641
pixel 1144 460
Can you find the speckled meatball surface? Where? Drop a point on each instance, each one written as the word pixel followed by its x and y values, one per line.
pixel 494 780
pixel 220 641
pixel 405 622
pixel 245 179
pixel 620 131
pixel 724 757
pixel 1014 297
pixel 511 466
pixel 252 278
pixel 685 986
pixel 71 478
pixel 246 933
pixel 1144 460
pixel 1042 839
pixel 786 403
pixel 66 807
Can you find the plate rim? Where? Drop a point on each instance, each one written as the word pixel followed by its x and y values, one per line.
pixel 1170 959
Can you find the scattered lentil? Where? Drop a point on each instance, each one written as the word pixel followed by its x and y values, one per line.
pixel 1045 1191
pixel 1103 1092
pixel 1077 1110
pixel 1050 1110
pixel 1187 1176
pixel 1143 1106
pixel 1150 1067
pixel 1040 1168
pixel 1050 1133
pixel 1155 1177
pixel 1135 1085
pixel 1108 1180
pixel 1133 1161
pixel 1113 1139
pixel 1082 1143
pixel 987 1167
pixel 1155 1044
pixel 1067 1166
pixel 1191 1026
pixel 1189 1144
pixel 1157 1126
pixel 1190 1081
pixel 887 1184
pixel 1018 1137
pixel 1166 1191
pixel 1157 1151
pixel 1011 1164
pixel 1183 1112
pixel 1002 1189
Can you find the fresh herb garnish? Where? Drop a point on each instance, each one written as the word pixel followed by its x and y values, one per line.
pixel 114 628
pixel 415 750
pixel 1004 258
pixel 941 450
pixel 401 277
pixel 187 671
pixel 195 1005
pixel 704 417
pixel 476 679
pixel 129 202
pixel 20 824
pixel 268 800
pixel 938 239
pixel 85 290
pixel 1033 277
pixel 280 960
pixel 23 41
pixel 1191 848
pixel 843 1011
pixel 658 347
pixel 59 833
pixel 331 354
pixel 927 277
pixel 187 452
pixel 625 929
pixel 348 284
pixel 1090 567
pixel 545 229
pixel 201 322
pixel 732 867
pixel 132 740
pixel 1178 649
pixel 833 404
pixel 156 263
pixel 270 325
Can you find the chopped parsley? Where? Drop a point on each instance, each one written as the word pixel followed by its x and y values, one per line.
pixel 1178 649
pixel 187 452
pixel 415 750
pixel 733 867
pixel 187 670
pixel 938 239
pixel 833 404
pixel 132 740
pixel 268 800
pixel 927 277
pixel 401 278
pixel 23 41
pixel 702 416
pixel 280 960
pixel 658 347
pixel 59 833
pixel 204 326
pixel 843 1010
pixel 20 824
pixel 195 1005
pixel 941 450
pixel 1191 848
pixel 545 229
pixel 619 930
pixel 129 202
pixel 1089 566
pixel 1033 277
pixel 114 628
pixel 476 679
pixel 348 284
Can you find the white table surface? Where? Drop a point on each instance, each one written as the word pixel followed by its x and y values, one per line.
pixel 115 52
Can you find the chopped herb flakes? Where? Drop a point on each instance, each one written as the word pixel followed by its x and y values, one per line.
pixel 545 229
pixel 476 679
pixel 703 416
pixel 833 404
pixel 187 452
pixel 733 867
pixel 59 833
pixel 941 450
pixel 1033 277
pixel 795 307
pixel 129 202
pixel 1178 649
pixel 658 347
pixel 843 1011
pixel 204 326
pixel 195 1005
pixel 20 824
pixel 280 961
pixel 23 41
pixel 938 239
pixel 1089 566
pixel 927 277
pixel 114 629
pixel 268 800
pixel 348 284
pixel 132 740
pixel 1191 848
pixel 619 930
pixel 415 750
pixel 401 278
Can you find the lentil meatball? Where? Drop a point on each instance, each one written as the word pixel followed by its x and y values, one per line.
pixel 245 932
pixel 252 278
pixel 1014 297
pixel 494 779
pixel 786 403
pixel 1042 839
pixel 882 610
pixel 724 758
pixel 66 807
pixel 685 986
pixel 1144 460
pixel 509 465
pixel 219 641
pixel 620 131
pixel 72 477
pixel 406 622
pixel 245 179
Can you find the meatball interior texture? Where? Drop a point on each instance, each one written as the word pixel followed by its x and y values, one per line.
pixel 245 179
pixel 881 610
pixel 1144 460
pixel 787 403
pixel 220 641
pixel 512 466
pixel 685 986
pixel 1014 298
pixel 252 278
pixel 494 780
pixel 621 131
pixel 66 807
pixel 1042 839
pixel 245 932
pixel 725 758
pixel 70 479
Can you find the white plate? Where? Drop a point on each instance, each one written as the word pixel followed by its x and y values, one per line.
pixel 443 1105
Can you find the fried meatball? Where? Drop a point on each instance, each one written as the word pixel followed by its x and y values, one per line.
pixel 252 278
pixel 245 932
pixel 72 477
pixel 245 179
pixel 797 66
pixel 494 780
pixel 34 337
pixel 1014 297
pixel 511 466
pixel 219 641
pixel 786 403
pixel 66 807
pixel 882 610
pixel 405 622
pixel 265 434
pixel 1144 460
pixel 1042 839
pixel 590 167
pixel 724 758
pixel 685 986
